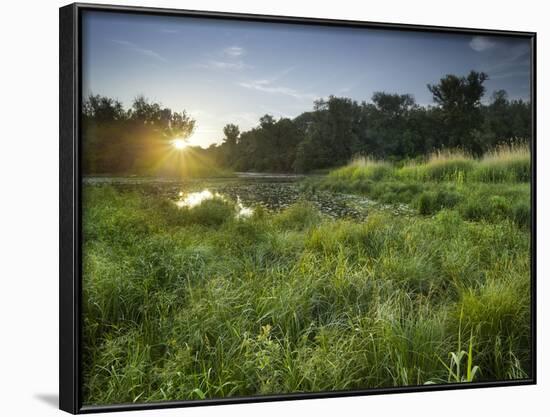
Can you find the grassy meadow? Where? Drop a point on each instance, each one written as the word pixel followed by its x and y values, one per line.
pixel 192 303
pixel 493 188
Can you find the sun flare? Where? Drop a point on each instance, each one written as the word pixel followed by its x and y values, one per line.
pixel 179 144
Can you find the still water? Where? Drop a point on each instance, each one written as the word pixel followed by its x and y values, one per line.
pixel 273 192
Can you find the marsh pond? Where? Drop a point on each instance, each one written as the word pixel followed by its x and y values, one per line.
pixel 273 192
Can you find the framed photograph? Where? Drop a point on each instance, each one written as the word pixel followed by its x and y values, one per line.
pixel 259 208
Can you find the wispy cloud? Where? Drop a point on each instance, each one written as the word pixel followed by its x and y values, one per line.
pixel 515 61
pixel 267 87
pixel 142 51
pixel 510 74
pixel 517 58
pixel 481 43
pixel 234 51
pixel 229 58
pixel 225 65
pixel 281 74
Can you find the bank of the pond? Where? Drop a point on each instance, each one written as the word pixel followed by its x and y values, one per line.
pixel 197 302
pixel 251 191
pixel 494 188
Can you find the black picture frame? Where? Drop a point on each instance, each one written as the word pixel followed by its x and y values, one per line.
pixel 70 238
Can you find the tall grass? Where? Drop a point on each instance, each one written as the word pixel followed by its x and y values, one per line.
pixel 450 165
pixel 363 168
pixel 492 188
pixel 503 164
pixel 176 306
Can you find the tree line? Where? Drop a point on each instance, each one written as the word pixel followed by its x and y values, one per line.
pixel 391 126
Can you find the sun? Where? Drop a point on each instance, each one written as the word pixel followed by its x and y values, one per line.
pixel 179 144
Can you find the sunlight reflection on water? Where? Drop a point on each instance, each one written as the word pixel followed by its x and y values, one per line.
pixel 242 210
pixel 191 200
pixel 194 199
pixel 249 194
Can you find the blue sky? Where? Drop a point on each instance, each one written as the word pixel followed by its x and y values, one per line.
pixel 234 72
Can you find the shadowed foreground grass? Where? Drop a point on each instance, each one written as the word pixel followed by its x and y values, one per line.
pixel 196 303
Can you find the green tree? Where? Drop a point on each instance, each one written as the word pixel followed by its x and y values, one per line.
pixel 393 106
pixel 170 124
pixel 459 99
pixel 390 132
pixel 231 133
pixel 103 109
pixel 118 141
pixel 229 146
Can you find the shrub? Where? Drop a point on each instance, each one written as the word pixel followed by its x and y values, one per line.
pixel 427 203
pixel 212 212
pixel 171 213
pixel 298 217
pixel 447 199
pixel 481 207
pixel 473 209
pixel 499 207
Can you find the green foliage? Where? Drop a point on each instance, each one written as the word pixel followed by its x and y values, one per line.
pixel 427 203
pixel 522 213
pixel 133 141
pixel 459 99
pixel 495 208
pixel 197 303
pixel 430 202
pixel 445 198
pixel 299 217
pixel 212 212
pixel 504 164
pixel 362 169
pixel 455 368
pixel 392 126
pixel 447 169
pixel 492 188
pixel 348 237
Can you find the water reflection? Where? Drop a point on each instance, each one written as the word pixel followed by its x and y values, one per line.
pixel 194 199
pixel 271 194
pixel 242 210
